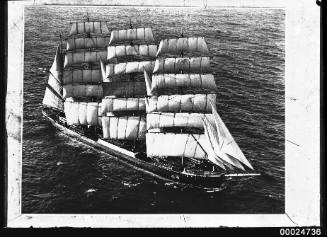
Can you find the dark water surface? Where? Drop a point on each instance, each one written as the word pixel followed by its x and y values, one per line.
pixel 61 175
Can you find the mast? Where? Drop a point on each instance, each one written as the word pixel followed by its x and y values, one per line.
pixel 81 77
pixel 205 3
pixel 131 77
pixel 179 112
pixel 124 103
pixel 168 107
pixel 60 37
pixel 87 17
pixel 180 89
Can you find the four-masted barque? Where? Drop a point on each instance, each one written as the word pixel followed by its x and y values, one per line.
pixel 152 106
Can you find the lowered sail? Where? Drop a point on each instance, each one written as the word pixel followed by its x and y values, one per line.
pixel 165 120
pixel 81 113
pixel 172 81
pixel 128 67
pixel 226 141
pixel 181 103
pixel 122 104
pixel 82 76
pixel 179 45
pixel 186 65
pixel 84 56
pixel 53 92
pixel 87 42
pixel 174 145
pixel 124 128
pixel 124 89
pixel 131 50
pixel 141 34
pixel 80 91
pixel 92 27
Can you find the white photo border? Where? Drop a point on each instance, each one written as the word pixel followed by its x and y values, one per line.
pixel 302 133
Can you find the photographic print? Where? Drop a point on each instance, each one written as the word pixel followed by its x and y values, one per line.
pixel 153 108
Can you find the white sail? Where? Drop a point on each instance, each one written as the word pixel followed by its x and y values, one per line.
pixel 212 139
pixel 165 81
pixel 175 145
pixel 93 27
pixel 86 42
pixel 81 76
pixel 227 143
pixel 124 128
pixel 103 71
pixel 142 34
pixel 122 104
pixel 53 92
pixel 54 81
pixel 82 91
pixel 209 150
pixel 181 103
pixel 131 50
pixel 147 83
pixel 84 56
pixel 124 89
pixel 81 113
pixel 179 45
pixel 163 120
pixel 186 65
pixel 51 99
pixel 128 67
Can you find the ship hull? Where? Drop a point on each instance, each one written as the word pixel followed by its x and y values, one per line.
pixel 136 161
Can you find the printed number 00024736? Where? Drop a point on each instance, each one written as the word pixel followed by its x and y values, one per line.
pixel 300 231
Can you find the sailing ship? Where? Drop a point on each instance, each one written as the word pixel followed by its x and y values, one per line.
pixel 151 106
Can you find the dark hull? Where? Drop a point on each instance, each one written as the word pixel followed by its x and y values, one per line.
pixel 140 162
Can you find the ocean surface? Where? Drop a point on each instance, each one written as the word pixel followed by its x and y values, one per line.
pixel 61 175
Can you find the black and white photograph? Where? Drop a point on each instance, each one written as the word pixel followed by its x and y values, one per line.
pixel 147 108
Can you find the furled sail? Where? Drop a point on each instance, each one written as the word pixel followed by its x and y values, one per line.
pixel 53 93
pixel 92 27
pixel 141 34
pixel 172 81
pixel 124 89
pixel 131 50
pixel 124 128
pixel 79 91
pixel 227 143
pixel 164 120
pixel 83 56
pixel 179 45
pixel 81 113
pixel 81 76
pixel 174 145
pixel 122 104
pixel 181 103
pixel 186 65
pixel 86 42
pixel 128 67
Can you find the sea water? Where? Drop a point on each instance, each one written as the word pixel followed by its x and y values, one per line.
pixel 61 175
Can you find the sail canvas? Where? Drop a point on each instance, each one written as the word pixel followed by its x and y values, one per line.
pixel 94 27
